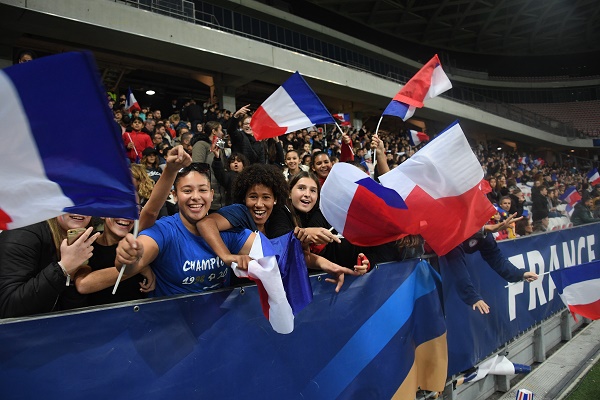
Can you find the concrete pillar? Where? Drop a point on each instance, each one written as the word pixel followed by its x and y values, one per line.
pixel 565 326
pixel 226 97
pixel 539 345
pixel 502 383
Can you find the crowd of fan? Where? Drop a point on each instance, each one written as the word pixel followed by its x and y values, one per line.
pixel 519 183
pixel 270 186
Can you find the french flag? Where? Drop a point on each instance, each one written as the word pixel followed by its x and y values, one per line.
pixel 571 196
pixel 343 119
pixel 593 177
pixel 364 211
pixel 280 273
pixel 131 103
pixel 429 82
pixel 416 138
pixel 291 107
pixel 578 288
pixel 47 170
pixel 444 199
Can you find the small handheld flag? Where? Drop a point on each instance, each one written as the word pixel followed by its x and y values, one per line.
pixel 291 107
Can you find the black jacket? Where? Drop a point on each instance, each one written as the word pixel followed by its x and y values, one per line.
pixel 31 281
pixel 245 144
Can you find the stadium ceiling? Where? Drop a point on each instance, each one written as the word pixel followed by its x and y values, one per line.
pixel 483 27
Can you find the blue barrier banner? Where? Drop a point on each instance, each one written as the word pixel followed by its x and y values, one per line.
pixel 219 345
pixel 516 308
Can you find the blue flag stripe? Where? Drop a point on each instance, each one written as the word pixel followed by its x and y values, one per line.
pixel 389 196
pixel 307 100
pixel 86 157
pixel 360 350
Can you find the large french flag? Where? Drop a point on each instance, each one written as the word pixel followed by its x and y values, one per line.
pixel 429 82
pixel 571 196
pixel 579 288
pixel 364 211
pixel 444 198
pixel 291 107
pixel 280 273
pixel 593 177
pixel 61 149
pixel 416 138
pixel 131 104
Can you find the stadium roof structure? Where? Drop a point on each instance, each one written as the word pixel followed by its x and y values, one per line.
pixel 505 28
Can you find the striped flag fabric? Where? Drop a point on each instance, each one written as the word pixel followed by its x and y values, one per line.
pixel 280 273
pixel 571 196
pixel 430 81
pixel 411 319
pixel 47 170
pixel 579 288
pixel 291 107
pixel 131 103
pixel 429 194
pixel 343 119
pixel 416 138
pixel 497 365
pixel 593 177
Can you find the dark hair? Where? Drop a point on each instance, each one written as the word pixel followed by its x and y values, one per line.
pixel 201 168
pixel 260 174
pixel 504 198
pixel 305 174
pixel 314 156
pixel 302 174
pixel 238 157
pixel 133 119
pixel 291 151
pixel 209 126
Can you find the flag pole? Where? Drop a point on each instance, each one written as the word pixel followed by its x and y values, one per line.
pixel 514 283
pixel 375 153
pixel 136 227
pixel 339 129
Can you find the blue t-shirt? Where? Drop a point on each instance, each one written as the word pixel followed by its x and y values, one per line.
pixel 185 262
pixel 238 216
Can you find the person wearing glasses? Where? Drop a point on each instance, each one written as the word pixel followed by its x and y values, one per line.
pixel 181 259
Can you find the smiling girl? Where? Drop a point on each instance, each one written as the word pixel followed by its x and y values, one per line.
pixel 181 259
pixel 37 264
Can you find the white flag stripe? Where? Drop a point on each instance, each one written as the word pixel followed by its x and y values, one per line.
pixel 585 292
pixel 437 168
pixel 283 110
pixel 439 83
pixel 337 195
pixel 18 145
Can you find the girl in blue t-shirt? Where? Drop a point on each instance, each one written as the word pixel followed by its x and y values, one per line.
pixel 181 260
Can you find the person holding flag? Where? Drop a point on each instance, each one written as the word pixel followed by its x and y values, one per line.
pixel 136 141
pixel 181 259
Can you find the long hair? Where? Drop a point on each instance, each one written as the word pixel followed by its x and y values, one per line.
pixel 293 181
pixel 146 184
pixel 57 234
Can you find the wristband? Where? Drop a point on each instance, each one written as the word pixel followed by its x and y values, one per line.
pixel 65 273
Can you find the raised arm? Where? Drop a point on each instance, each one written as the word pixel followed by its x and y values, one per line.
pixel 177 158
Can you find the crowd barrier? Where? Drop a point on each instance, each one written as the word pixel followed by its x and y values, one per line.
pixel 220 345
